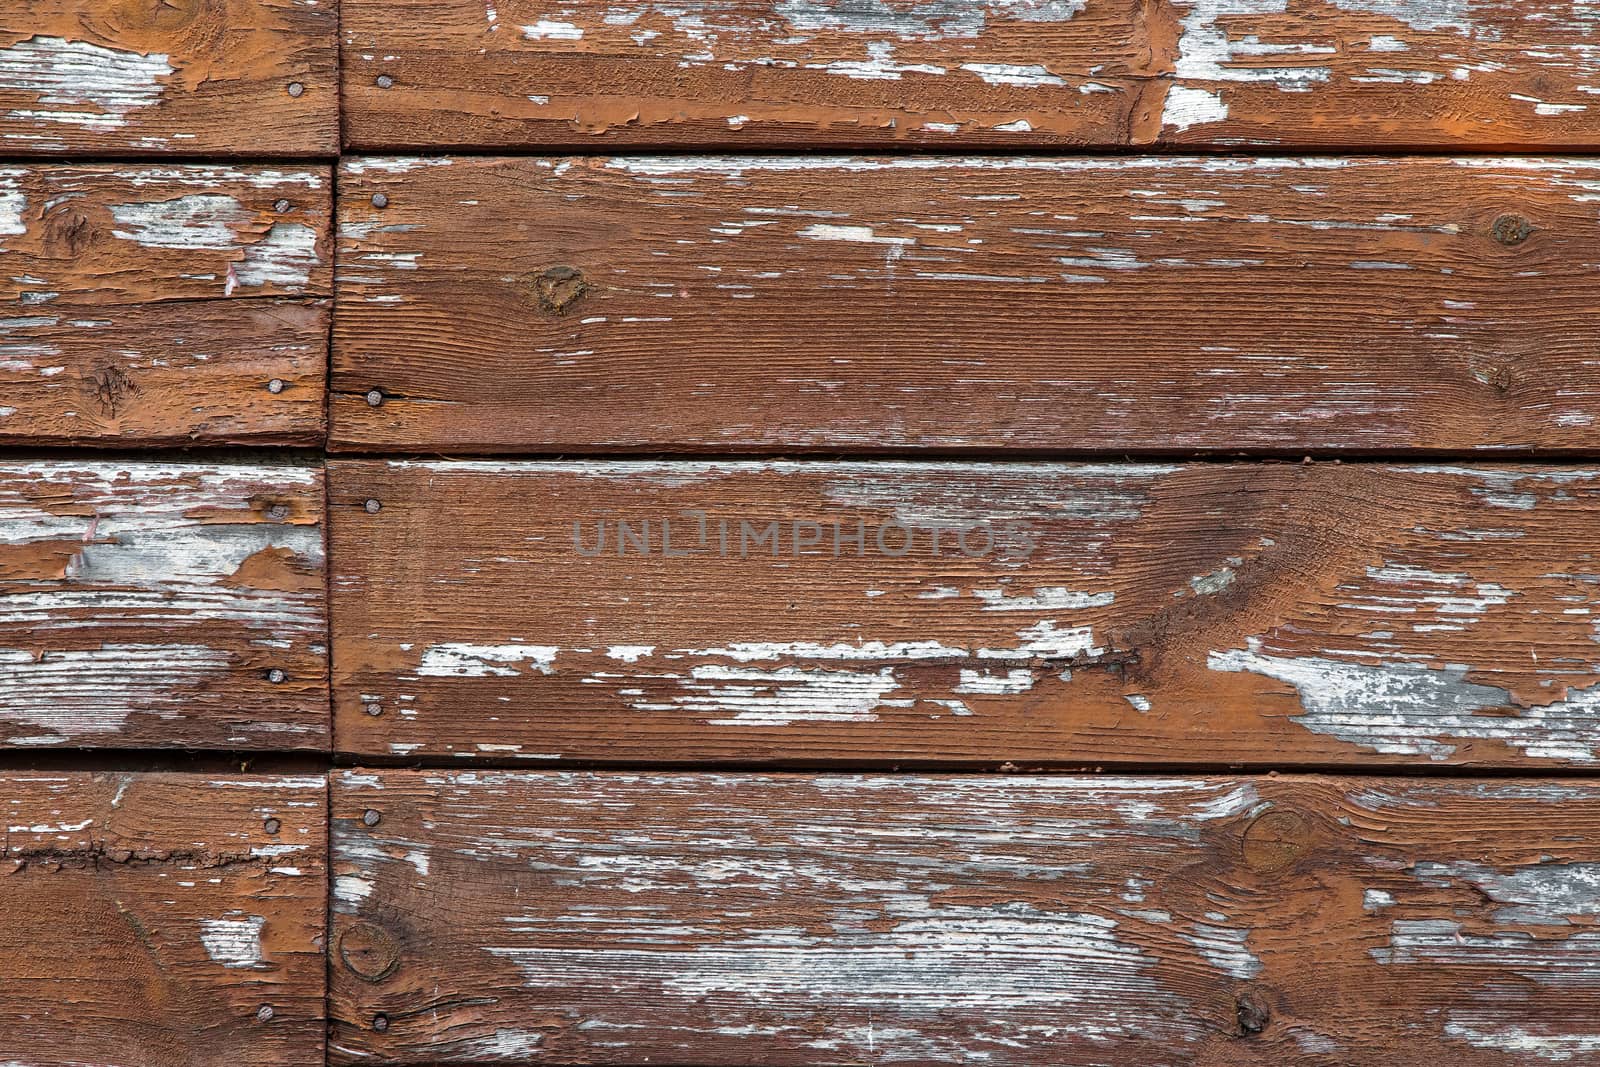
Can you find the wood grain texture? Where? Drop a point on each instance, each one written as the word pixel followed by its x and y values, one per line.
pixel 747 73
pixel 1272 615
pixel 153 77
pixel 747 919
pixel 1114 305
pixel 162 605
pixel 163 305
pixel 162 919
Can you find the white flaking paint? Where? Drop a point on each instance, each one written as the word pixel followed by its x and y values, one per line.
pixel 194 221
pixel 464 659
pixel 1406 709
pixel 111 82
pixel 233 942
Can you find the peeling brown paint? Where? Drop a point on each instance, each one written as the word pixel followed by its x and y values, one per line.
pixel 792 919
pixel 1269 615
pixel 1224 73
pixel 1088 304
pixel 149 917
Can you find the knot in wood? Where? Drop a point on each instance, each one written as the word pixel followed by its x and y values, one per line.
pixel 1274 840
pixel 559 288
pixel 1511 230
pixel 1251 1013
pixel 369 952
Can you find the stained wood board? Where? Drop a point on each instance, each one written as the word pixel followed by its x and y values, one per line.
pixel 737 74
pixel 162 919
pixel 159 305
pixel 493 917
pixel 886 612
pixel 162 605
pixel 179 77
pixel 1049 305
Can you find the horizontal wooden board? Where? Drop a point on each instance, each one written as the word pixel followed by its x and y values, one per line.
pixel 162 919
pixel 739 73
pixel 747 919
pixel 1273 615
pixel 162 605
pixel 1071 304
pixel 152 77
pixel 160 305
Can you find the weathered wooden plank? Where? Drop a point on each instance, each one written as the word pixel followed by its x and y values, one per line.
pixel 1105 304
pixel 162 605
pixel 157 305
pixel 711 919
pixel 162 919
pixel 808 612
pixel 246 77
pixel 746 73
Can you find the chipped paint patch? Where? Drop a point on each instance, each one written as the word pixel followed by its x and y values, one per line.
pixel 463 659
pixel 284 258
pixel 195 221
pixel 1411 710
pixel 82 84
pixel 1185 107
pixel 233 942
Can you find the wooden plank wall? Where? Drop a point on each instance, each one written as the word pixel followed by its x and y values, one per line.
pixel 799 532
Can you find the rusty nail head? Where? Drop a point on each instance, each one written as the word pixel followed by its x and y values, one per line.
pixel 275 386
pixel 277 675
pixel 373 507
pixel 1511 229
pixel 264 1013
pixel 277 512
pixel 296 89
pixel 385 82
pixel 281 206
pixel 272 826
pixel 370 818
pixel 380 1023
pixel 373 709
pixel 380 200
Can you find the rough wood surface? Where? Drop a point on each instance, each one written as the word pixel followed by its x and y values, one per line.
pixel 1071 304
pixel 162 919
pixel 157 305
pixel 162 605
pixel 1276 615
pixel 152 77
pixel 739 919
pixel 732 73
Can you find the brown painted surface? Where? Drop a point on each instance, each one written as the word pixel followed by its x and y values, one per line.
pixel 745 919
pixel 157 77
pixel 148 305
pixel 737 74
pixel 162 605
pixel 162 919
pixel 1112 305
pixel 1272 615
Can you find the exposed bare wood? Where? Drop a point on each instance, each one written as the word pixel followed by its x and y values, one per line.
pixel 162 605
pixel 733 919
pixel 162 919
pixel 748 73
pixel 149 77
pixel 157 305
pixel 880 612
pixel 1118 305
